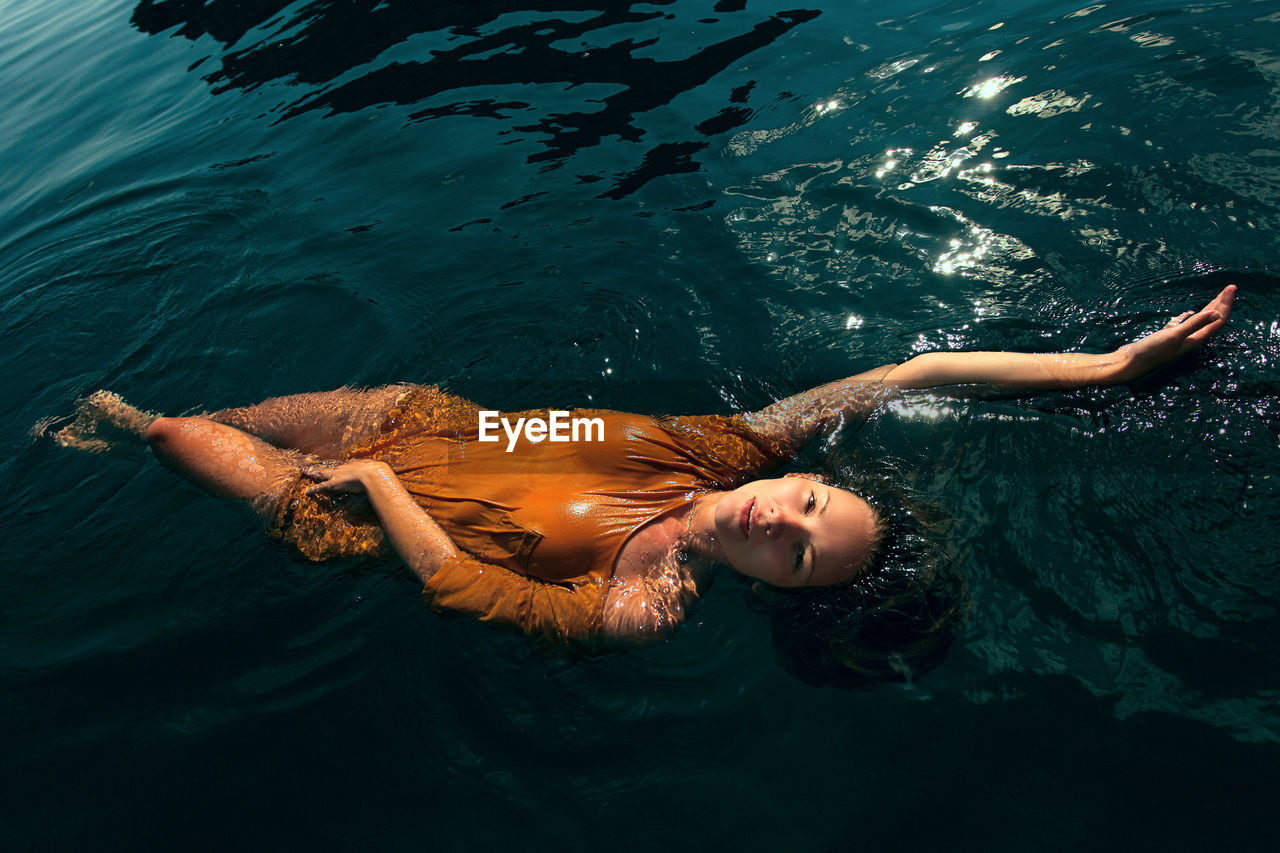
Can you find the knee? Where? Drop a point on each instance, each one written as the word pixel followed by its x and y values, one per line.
pixel 163 433
pixel 159 431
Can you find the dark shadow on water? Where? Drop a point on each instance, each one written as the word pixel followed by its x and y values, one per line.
pixel 501 44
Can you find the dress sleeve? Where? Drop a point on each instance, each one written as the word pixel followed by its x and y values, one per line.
pixel 564 614
pixel 727 447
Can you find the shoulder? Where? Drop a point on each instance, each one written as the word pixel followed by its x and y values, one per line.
pixel 651 590
pixel 733 445
pixel 643 610
pixel 796 420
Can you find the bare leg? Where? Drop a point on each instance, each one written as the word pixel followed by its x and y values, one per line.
pixel 233 464
pixel 223 460
pixel 322 424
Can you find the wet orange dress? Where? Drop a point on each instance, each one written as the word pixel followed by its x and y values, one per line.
pixel 542 525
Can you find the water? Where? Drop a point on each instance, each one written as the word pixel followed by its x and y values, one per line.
pixel 674 206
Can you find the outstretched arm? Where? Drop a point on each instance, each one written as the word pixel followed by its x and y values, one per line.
pixel 1015 371
pixel 799 418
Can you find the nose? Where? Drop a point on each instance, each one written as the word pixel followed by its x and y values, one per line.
pixel 781 521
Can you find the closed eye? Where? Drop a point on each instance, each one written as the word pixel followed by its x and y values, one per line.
pixel 809 506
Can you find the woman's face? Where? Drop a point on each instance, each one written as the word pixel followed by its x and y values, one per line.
pixel 795 531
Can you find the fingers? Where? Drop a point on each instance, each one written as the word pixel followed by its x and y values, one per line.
pixel 1198 321
pixel 1187 332
pixel 1220 308
pixel 1207 330
pixel 1202 326
pixel 1223 301
pixel 323 477
pixel 344 478
pixel 327 488
pixel 1199 329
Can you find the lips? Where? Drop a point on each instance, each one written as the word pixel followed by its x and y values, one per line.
pixel 744 520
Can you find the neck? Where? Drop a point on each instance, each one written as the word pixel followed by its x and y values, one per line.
pixel 701 541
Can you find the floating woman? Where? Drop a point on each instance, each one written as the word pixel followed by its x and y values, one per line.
pixel 607 536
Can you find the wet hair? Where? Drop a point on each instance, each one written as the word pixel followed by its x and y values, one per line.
pixel 894 620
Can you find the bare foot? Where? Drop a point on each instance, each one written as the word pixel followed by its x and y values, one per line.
pixel 103 420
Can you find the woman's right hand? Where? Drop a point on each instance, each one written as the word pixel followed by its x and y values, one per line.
pixel 352 477
pixel 414 534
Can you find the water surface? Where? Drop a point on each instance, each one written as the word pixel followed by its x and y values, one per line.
pixel 663 207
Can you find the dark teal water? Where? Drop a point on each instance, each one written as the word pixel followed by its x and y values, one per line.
pixel 673 206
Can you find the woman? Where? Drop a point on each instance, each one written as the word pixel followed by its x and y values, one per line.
pixel 605 539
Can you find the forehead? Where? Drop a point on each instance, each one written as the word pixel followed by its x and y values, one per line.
pixel 843 540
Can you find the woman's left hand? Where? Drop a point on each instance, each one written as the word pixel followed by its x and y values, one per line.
pixel 352 477
pixel 1183 334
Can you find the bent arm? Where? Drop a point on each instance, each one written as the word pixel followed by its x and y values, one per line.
pixel 565 614
pixel 799 418
pixel 416 537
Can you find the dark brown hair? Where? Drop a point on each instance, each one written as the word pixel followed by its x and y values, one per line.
pixel 895 620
